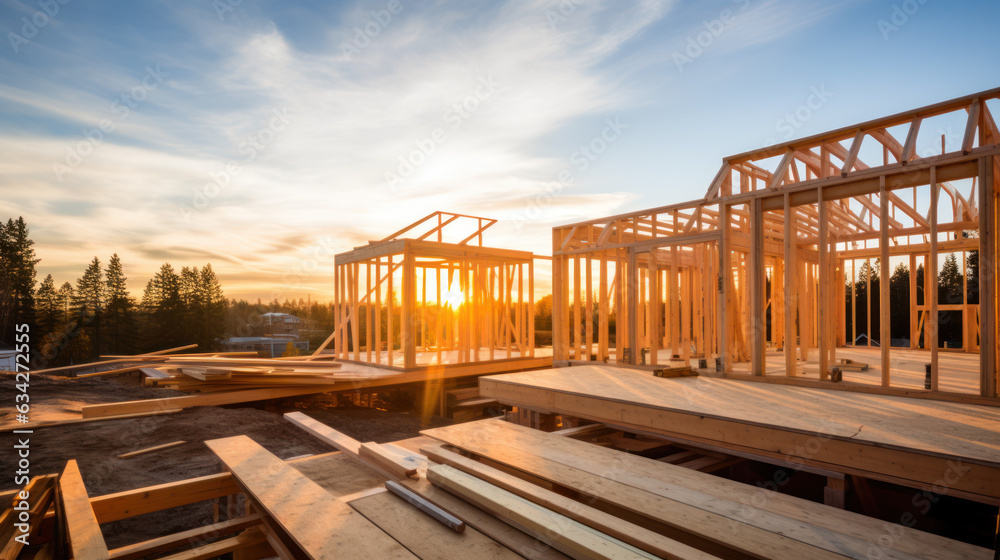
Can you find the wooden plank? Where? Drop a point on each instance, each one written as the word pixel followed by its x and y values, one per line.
pixel 337 439
pixel 189 401
pixel 184 538
pixel 425 537
pixel 244 540
pixel 630 533
pixel 150 449
pixel 82 529
pixel 122 505
pixel 522 543
pixel 392 462
pixel 571 537
pixel 38 425
pixel 318 523
pixel 902 451
pixel 692 498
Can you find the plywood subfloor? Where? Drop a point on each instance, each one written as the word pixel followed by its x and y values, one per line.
pixel 958 430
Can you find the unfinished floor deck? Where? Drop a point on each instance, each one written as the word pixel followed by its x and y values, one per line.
pixel 916 443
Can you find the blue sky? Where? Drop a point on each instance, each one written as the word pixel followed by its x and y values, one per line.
pixel 264 136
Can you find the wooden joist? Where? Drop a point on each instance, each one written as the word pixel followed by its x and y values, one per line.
pixel 185 538
pixel 189 401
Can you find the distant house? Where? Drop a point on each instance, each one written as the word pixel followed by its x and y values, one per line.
pixel 274 331
pixel 8 357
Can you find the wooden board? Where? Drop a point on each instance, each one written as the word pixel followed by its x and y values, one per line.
pixel 571 537
pixel 83 532
pixel 424 536
pixel 338 440
pixel 690 499
pixel 320 525
pixel 606 523
pixel 891 438
pixel 512 538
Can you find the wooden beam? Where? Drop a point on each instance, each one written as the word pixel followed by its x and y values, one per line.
pixel 244 540
pixel 82 529
pixel 988 278
pixel 791 293
pixel 910 146
pixel 970 127
pixel 782 170
pixel 931 273
pixel 209 399
pixel 329 435
pixel 852 155
pixel 885 325
pixel 184 538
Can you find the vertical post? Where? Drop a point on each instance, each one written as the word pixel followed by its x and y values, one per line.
pixel 632 289
pixel 437 316
pixel 368 311
pixel 531 308
pixel 675 312
pixel 378 310
pixel 987 279
pixel 931 272
pixel 408 310
pixel 824 287
pixel 884 301
pixel 577 314
pixel 389 296
pixel 725 272
pixel 336 310
pixel 655 306
pixel 791 291
pixel 914 318
pixel 589 312
pixel 355 310
pixel 558 301
pixel 602 313
pixel 757 283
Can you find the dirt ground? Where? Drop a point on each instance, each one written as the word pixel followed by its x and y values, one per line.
pixel 96 445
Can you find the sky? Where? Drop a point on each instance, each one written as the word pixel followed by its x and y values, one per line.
pixel 265 137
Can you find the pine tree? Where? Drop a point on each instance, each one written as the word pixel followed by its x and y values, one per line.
pixel 899 296
pixel 17 278
pixel 950 282
pixel 48 308
pixel 66 298
pixel 164 310
pixel 89 304
pixel 213 307
pixel 120 308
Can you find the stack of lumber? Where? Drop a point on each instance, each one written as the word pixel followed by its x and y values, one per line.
pixel 589 501
pixel 221 371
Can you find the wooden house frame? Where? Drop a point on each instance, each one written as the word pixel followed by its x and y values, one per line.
pixel 433 302
pixel 711 279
